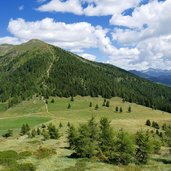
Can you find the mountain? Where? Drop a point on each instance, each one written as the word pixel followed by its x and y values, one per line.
pixel 156 72
pixel 42 69
pixel 155 75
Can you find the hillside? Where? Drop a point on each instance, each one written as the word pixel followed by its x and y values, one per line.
pixel 38 68
pixel 34 113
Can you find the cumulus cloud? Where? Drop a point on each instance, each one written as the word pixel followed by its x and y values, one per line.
pixel 153 40
pixel 72 6
pixel 74 36
pixel 88 7
pixel 144 41
pixel 88 56
pixel 9 40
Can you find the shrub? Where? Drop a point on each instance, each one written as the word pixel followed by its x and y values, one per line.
pixel 26 167
pixel 9 133
pixel 148 122
pixel 24 154
pixel 43 152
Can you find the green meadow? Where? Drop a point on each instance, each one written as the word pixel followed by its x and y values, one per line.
pixel 55 156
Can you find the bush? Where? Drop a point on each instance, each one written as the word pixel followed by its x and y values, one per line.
pixel 53 101
pixel 148 123
pixel 26 167
pixel 43 152
pixel 96 107
pixel 24 154
pixel 53 131
pixel 9 133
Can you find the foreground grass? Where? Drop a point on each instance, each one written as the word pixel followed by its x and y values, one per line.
pixel 34 113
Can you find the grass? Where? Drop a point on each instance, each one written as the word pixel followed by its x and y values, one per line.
pixel 15 123
pixel 34 113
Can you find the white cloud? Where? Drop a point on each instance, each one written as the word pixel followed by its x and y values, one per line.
pixel 72 6
pixel 9 40
pixel 154 41
pixel 88 56
pixel 21 7
pixel 93 7
pixel 74 36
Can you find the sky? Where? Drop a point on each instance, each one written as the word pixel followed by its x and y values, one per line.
pixel 130 34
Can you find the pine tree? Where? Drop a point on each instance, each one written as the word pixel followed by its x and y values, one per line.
pixel 107 104
pixel 148 122
pixel 129 109
pixel 38 131
pixel 143 147
pixel 123 150
pixel 53 131
pixel 72 98
pixel 72 136
pixel 53 101
pixel 104 102
pixel 69 106
pixel 96 107
pixel 68 124
pixel 87 141
pixel 90 105
pixel 120 110
pixel 116 109
pixel 33 133
pixel 9 133
pixel 24 129
pixel 106 137
pixel 60 125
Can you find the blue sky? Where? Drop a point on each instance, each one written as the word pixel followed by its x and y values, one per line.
pixel 131 34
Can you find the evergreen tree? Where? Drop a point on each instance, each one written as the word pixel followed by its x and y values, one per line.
pixel 116 109
pixel 72 136
pixel 123 152
pixel 45 134
pixel 90 105
pixel 96 107
pixel 120 110
pixel 69 106
pixel 148 122
pixel 43 126
pixel 33 133
pixel 53 101
pixel 38 131
pixel 53 131
pixel 87 141
pixel 106 137
pixel 60 125
pixel 68 124
pixel 104 102
pixel 24 129
pixel 143 147
pixel 72 98
pixel 129 109
pixel 9 133
pixel 107 104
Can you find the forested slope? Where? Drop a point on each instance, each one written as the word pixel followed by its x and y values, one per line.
pixel 38 68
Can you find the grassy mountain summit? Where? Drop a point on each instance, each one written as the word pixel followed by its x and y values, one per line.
pixel 39 68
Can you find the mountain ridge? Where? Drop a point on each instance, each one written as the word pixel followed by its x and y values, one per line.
pixel 39 68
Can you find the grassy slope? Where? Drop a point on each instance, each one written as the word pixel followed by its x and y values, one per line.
pixel 34 113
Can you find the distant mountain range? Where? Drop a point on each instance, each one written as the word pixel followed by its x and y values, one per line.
pixel 155 75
